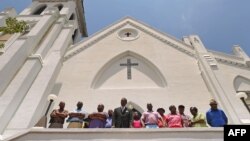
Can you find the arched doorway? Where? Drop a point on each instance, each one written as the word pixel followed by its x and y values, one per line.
pixel 134 107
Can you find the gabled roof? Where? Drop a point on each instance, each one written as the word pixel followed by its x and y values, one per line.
pixel 229 59
pixel 163 37
pixel 167 39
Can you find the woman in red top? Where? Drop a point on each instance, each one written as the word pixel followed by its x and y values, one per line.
pixel 137 122
pixel 161 123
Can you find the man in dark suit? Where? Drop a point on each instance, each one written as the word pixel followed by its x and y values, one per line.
pixel 122 116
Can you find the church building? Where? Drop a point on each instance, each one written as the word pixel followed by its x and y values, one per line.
pixel 126 59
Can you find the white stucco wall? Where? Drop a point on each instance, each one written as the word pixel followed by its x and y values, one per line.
pixel 231 72
pixel 184 84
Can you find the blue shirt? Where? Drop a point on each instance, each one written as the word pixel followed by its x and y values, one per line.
pixel 108 122
pixel 216 118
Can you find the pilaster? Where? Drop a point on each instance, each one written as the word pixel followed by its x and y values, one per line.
pixel 19 86
pixel 224 94
pixel 45 46
pixel 13 59
pixel 16 91
pixel 36 98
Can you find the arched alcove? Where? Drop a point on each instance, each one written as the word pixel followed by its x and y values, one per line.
pixel 74 36
pixel 59 6
pixel 72 17
pixel 242 84
pixel 115 73
pixel 135 107
pixel 39 9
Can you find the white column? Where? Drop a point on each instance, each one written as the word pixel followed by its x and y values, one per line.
pixel 17 90
pixel 45 46
pixel 31 109
pixel 17 53
pixel 19 86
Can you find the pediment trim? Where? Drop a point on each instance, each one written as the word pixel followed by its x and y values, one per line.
pixel 229 59
pixel 167 39
pixel 163 37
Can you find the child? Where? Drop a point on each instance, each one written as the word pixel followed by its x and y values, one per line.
pixel 137 122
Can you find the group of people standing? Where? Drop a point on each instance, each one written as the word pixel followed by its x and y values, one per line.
pixel 123 117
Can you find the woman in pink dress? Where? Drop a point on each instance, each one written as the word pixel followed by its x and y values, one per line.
pixel 173 119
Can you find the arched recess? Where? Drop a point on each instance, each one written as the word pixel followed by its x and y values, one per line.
pixel 242 84
pixel 39 9
pixel 72 17
pixel 59 6
pixel 134 107
pixel 113 76
pixel 74 35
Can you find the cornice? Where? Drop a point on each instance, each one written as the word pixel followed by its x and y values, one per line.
pixel 165 39
pixel 76 49
pixel 229 59
pixel 86 44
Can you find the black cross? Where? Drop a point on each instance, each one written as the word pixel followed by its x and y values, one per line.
pixel 129 65
pixel 128 34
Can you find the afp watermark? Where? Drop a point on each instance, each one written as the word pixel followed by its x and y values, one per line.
pixel 241 132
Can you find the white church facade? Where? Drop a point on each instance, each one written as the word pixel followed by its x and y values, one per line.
pixel 126 59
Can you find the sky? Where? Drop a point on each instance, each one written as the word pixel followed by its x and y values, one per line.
pixel 219 23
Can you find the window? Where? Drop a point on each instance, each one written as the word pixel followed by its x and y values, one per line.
pixel 128 34
pixel 72 17
pixel 39 9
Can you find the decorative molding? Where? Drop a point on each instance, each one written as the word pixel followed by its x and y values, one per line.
pixel 220 57
pixel 163 38
pixel 229 56
pixel 88 44
pixel 70 24
pixel 225 61
pixel 159 78
pixel 128 34
pixel 52 11
pixel 229 59
pixel 37 56
pixel 211 61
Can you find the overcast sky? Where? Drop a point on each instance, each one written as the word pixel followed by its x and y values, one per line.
pixel 219 23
